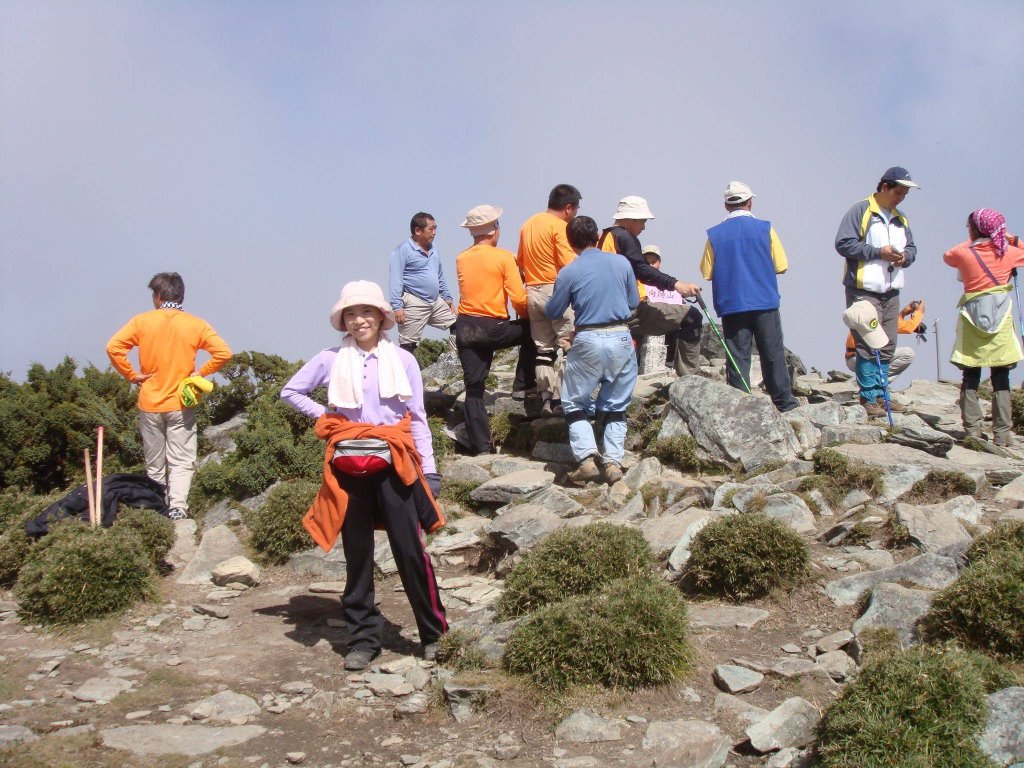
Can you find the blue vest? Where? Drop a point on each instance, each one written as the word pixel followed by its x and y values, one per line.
pixel 743 277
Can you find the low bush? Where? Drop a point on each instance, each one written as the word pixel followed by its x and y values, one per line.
pixel 682 451
pixel 76 572
pixel 835 476
pixel 746 556
pixel 18 504
pixel 940 485
pixel 573 561
pixel 429 351
pixel 631 634
pixel 922 708
pixel 982 608
pixel 155 531
pixel 458 493
pixel 14 547
pixel 1017 410
pixel 459 650
pixel 442 444
pixel 276 527
pixel 1006 535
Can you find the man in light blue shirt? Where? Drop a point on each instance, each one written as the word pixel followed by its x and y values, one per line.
pixel 602 290
pixel 418 289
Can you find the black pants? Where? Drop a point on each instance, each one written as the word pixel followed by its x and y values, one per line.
pixel 382 498
pixel 477 339
pixel 1000 378
pixel 763 328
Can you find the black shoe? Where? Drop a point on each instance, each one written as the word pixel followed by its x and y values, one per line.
pixel 358 660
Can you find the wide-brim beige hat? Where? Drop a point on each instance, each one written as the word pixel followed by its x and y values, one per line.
pixel 362 292
pixel 632 207
pixel 482 220
pixel 862 318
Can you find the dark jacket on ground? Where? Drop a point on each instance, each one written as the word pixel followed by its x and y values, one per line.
pixel 136 491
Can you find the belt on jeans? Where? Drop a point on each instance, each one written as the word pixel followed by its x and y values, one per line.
pixel 614 325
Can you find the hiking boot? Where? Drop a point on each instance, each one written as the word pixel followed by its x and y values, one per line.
pixel 177 514
pixel 429 651
pixel 875 409
pixel 612 473
pixel 358 660
pixel 895 407
pixel 586 472
pixel 1002 418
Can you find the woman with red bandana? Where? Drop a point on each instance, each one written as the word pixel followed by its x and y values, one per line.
pixel 985 334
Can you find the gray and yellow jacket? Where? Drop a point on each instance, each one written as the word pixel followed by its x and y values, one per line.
pixel 862 233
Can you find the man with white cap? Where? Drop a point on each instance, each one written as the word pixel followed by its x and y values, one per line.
pixel 652 318
pixel 875 239
pixel 488 280
pixel 419 292
pixel 742 257
pixel 543 252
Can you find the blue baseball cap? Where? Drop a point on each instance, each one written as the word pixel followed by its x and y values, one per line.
pixel 899 176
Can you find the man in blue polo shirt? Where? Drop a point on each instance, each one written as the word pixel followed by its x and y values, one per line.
pixel 602 290
pixel 418 289
pixel 742 257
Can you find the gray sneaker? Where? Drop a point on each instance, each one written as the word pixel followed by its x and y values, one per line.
pixel 358 660
pixel 586 472
pixel 177 514
pixel 430 651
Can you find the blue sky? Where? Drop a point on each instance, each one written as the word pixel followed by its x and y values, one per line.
pixel 271 152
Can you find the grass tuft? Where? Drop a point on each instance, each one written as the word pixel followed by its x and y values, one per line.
pixel 573 561
pixel 746 556
pixel 459 650
pixel 276 527
pixel 631 634
pixel 922 708
pixel 835 476
pixel 940 485
pixel 1006 535
pixel 155 531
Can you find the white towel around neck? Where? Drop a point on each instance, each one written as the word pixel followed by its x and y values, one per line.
pixel 345 389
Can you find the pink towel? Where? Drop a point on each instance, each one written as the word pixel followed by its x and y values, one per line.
pixel 345 389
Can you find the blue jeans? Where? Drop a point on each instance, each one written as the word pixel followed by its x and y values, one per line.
pixel 603 359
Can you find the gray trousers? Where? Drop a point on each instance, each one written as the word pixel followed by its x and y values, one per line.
pixel 419 314
pixel 887 305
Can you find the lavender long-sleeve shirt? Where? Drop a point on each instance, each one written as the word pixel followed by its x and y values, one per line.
pixel 317 372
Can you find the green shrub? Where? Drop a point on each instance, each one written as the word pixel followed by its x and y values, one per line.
pixel 982 608
pixel 76 572
pixel 14 547
pixel 1017 409
pixel 922 708
pixel 17 504
pixel 573 561
pixel 154 530
pixel 429 351
pixel 458 493
pixel 459 650
pixel 940 485
pixel 443 445
pixel 501 426
pixel 1006 535
pixel 682 451
pixel 276 527
pixel 836 476
pixel 632 633
pixel 746 556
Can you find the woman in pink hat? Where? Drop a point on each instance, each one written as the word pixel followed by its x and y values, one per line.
pixel 379 469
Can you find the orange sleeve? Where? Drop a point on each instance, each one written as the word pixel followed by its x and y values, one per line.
pixel 909 323
pixel 564 254
pixel 120 344
pixel 219 351
pixel 515 289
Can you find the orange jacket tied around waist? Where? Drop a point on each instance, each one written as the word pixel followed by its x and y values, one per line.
pixel 327 513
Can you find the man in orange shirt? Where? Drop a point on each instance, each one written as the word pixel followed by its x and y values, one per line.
pixel 543 251
pixel 168 339
pixel 488 280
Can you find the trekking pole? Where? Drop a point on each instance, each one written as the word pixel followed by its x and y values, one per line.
pixel 99 478
pixel 700 302
pixel 88 486
pixel 885 388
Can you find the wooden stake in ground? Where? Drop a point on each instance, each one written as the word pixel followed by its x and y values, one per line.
pixel 88 486
pixel 99 478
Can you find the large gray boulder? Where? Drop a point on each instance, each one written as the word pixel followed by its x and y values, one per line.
pixel 790 509
pixel 521 528
pixel 913 432
pixel 732 426
pixel 791 724
pixel 684 744
pixel 218 544
pixel 896 608
pixel 927 570
pixel 1003 738
pixel 514 485
pixel 933 529
pixel 902 466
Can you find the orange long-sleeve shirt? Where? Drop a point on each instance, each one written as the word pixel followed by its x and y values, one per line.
pixel 168 340
pixel 543 248
pixel 488 280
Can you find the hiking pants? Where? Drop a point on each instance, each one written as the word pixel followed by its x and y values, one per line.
pixel 763 328
pixel 477 339
pixel 887 306
pixel 169 447
pixel 383 499
pixel 549 336
pixel 419 314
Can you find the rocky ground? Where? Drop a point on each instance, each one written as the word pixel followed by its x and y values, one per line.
pixel 236 666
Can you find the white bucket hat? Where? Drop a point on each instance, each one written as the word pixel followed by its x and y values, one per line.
pixel 362 292
pixel 482 220
pixel 862 318
pixel 632 207
pixel 737 192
